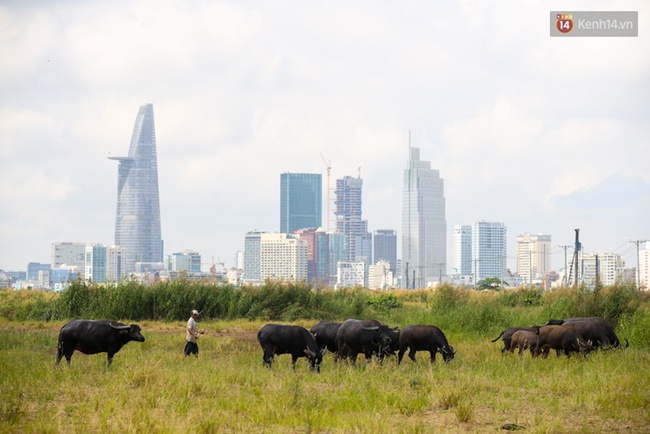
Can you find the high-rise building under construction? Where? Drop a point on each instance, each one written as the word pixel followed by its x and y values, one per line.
pixel 137 222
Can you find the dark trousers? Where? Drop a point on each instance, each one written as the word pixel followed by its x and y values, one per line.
pixel 191 348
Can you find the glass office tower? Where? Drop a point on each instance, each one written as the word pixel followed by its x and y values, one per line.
pixel 137 223
pixel 424 227
pixel 301 203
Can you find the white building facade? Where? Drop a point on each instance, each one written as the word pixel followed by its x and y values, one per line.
pixel 533 257
pixel 282 257
pixel 488 251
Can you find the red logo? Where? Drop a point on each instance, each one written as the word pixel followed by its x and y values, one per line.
pixel 564 23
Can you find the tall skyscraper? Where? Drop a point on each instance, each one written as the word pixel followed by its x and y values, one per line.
pixel 533 256
pixel 348 217
pixel 385 247
pixel 137 222
pixel 462 261
pixel 488 251
pixel 301 201
pixel 424 226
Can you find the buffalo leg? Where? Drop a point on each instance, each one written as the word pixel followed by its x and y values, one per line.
pixel 294 359
pixel 109 360
pixel 267 360
pixel 59 354
pixel 433 353
pixel 400 354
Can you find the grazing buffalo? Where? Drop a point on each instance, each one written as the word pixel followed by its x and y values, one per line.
pixel 325 334
pixel 424 338
pixel 92 337
pixel 507 336
pixel 595 329
pixel 565 338
pixel 523 340
pixel 277 339
pixel 369 337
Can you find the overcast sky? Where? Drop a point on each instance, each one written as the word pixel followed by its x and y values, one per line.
pixel 544 134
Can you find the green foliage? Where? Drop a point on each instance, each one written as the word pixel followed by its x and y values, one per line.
pixel 384 301
pixel 456 309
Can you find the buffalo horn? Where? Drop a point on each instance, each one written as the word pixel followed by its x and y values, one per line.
pixel 122 327
pixel 371 329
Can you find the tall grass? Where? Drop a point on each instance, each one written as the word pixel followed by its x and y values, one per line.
pixel 457 310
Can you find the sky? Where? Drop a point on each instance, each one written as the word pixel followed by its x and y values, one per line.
pixel 544 134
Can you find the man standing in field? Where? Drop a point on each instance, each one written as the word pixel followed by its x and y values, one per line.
pixel 193 332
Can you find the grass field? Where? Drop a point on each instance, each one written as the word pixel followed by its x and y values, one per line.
pixel 153 388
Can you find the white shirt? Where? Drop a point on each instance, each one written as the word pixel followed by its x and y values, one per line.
pixel 191 325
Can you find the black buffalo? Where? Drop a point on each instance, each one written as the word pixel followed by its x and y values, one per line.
pixel 424 338
pixel 369 337
pixel 325 334
pixel 564 338
pixel 595 329
pixel 92 337
pixel 507 336
pixel 277 339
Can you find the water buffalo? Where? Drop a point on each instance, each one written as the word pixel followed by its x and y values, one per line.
pixel 596 329
pixel 565 338
pixel 424 338
pixel 92 337
pixel 325 334
pixel 507 336
pixel 369 337
pixel 277 339
pixel 523 340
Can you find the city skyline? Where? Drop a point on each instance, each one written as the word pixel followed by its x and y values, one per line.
pixel 544 134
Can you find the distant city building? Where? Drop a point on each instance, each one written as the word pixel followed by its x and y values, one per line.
pixel 381 276
pixel 316 241
pixel 607 266
pixel 234 275
pixel 300 201
pixel 462 250
pixel 337 253
pixel 424 226
pixel 488 251
pixel 348 218
pixel 643 268
pixel 188 261
pixel 252 255
pixel 350 274
pixel 33 268
pixel 104 263
pixel 533 257
pixel 385 247
pixel 137 222
pixel 282 257
pixel 70 254
pixel 239 260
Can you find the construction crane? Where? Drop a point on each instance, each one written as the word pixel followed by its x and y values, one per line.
pixel 328 164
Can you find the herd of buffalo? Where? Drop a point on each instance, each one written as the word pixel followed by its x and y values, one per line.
pixel 352 337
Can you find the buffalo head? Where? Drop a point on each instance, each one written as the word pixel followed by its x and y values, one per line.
pixel 132 331
pixel 315 358
pixel 448 353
